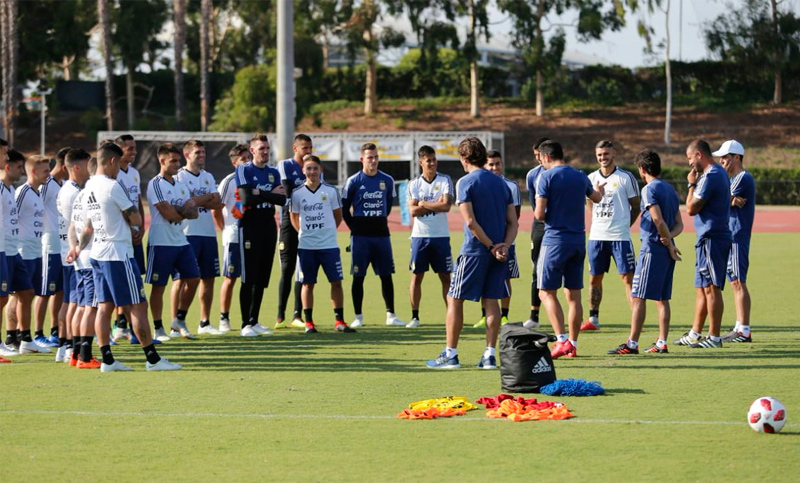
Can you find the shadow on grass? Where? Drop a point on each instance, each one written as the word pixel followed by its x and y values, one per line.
pixel 625 391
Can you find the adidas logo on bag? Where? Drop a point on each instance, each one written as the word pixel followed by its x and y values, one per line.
pixel 541 366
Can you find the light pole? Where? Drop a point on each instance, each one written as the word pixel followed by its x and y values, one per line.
pixel 43 93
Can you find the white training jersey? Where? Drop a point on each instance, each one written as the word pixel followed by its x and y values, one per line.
pixel 430 225
pixel 227 194
pixel 10 221
pixel 30 216
pixel 317 224
pixel 131 181
pixel 199 184
pixel 79 217
pixel 49 195
pixel 163 232
pixel 611 218
pixel 64 202
pixel 104 202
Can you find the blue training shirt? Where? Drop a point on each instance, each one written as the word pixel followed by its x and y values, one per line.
pixel 657 193
pixel 566 190
pixel 531 180
pixel 712 220
pixel 263 179
pixel 741 219
pixel 371 200
pixel 490 197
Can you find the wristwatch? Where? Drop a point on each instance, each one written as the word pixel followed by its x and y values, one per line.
pixel 691 185
pixel 491 247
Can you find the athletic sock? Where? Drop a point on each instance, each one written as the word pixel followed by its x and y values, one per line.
pixel 715 338
pixel 504 312
pixel 151 354
pixel 62 341
pixel 737 326
pixel 562 337
pixel 661 343
pixel 694 334
pixel 11 337
pixel 594 313
pixel 158 324
pixel 338 314
pixel 745 330
pixel 24 336
pixel 180 314
pixel 309 314
pixel 483 311
pixel 632 344
pixel 38 333
pixel 204 323
pixel 122 321
pixel 489 352
pixel 54 331
pixel 224 315
pixel 415 314
pixel 69 343
pixel 574 343
pixel 535 315
pixel 450 352
pixel 86 348
pixel 108 357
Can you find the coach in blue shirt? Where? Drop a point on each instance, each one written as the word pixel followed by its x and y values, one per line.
pixel 709 202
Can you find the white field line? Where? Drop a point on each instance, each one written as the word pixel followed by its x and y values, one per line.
pixel 196 415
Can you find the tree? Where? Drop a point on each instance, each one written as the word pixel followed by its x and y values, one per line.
pixel 478 22
pixel 205 86
pixel 646 32
pixel 179 20
pixel 10 46
pixel 759 38
pixel 105 34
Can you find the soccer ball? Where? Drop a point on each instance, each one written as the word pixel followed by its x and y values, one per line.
pixel 766 415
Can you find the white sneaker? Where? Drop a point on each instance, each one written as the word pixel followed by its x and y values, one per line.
pixel 530 324
pixel 224 326
pixel 32 347
pixel 174 333
pixel 161 335
pixel 67 355
pixel 261 330
pixel 120 334
pixel 60 353
pixel 358 322
pixel 116 366
pixel 163 365
pixel 392 319
pixel 413 324
pixel 247 331
pixel 6 351
pixel 209 330
pixel 187 335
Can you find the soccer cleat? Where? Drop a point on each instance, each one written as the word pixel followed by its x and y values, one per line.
pixel 208 330
pixel 565 349
pixel 480 324
pixel 531 324
pixel 687 339
pixel 6 351
pixel 281 324
pixel 298 323
pixel 310 328
pixel 342 327
pixel 589 325
pixel 161 335
pixel 442 362
pixel 736 336
pixel 623 349
pixel 67 355
pixel 122 333
pixel 117 366
pixel 178 328
pixel 111 341
pixel 392 319
pixel 93 363
pixel 44 342
pixel 247 331
pixel 32 347
pixel 413 324
pixel 503 320
pixel 53 339
pixel 224 326
pixel 3 360
pixel 174 333
pixel 186 334
pixel 162 365
pixel 261 330
pixel 653 349
pixel 156 340
pixel 60 353
pixel 487 362
pixel 707 343
pixel 357 322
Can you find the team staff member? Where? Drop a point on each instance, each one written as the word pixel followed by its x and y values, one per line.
pixel 537 234
pixel 369 193
pixel 430 197
pixel 292 177
pixel 260 190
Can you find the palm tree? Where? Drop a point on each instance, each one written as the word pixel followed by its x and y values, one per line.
pixel 179 11
pixel 105 31
pixel 205 86
pixel 10 41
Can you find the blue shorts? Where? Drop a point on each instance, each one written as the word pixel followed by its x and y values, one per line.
pixel 4 280
pixel 18 277
pixel 738 262
pixel 376 250
pixel 652 279
pixel 70 283
pixel 53 276
pixel 34 270
pixel 601 251
pixel 477 277
pixel 138 255
pixel 85 288
pixel 206 252
pixel 311 260
pixel 513 266
pixel 560 264
pixel 163 262
pixel 430 253
pixel 118 282
pixel 712 262
pixel 231 260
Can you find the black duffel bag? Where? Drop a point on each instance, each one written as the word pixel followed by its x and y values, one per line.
pixel 525 362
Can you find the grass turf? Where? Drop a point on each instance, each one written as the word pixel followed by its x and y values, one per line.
pixel 288 407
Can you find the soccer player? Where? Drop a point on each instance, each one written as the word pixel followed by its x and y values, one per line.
pixel 610 235
pixel 200 232
pixel 430 197
pixel 316 212
pixel 369 193
pixel 110 219
pixel 740 222
pixel 131 180
pixel 228 225
pixel 537 234
pixel 168 250
pixel 259 189
pixel 560 196
pixel 708 201
pixel 661 223
pixel 494 163
pixel 5 351
pixel 490 226
pixel 292 177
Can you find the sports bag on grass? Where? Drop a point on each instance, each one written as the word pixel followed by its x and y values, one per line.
pixel 525 362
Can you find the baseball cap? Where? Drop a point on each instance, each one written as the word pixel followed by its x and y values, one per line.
pixel 729 147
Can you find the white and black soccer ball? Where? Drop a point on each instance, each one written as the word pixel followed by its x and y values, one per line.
pixel 766 415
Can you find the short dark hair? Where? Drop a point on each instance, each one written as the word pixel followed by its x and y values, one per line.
pixel 167 148
pixel 473 150
pixel 368 147
pixel 649 161
pixel 238 150
pixel 493 153
pixel 700 145
pixel 107 151
pixel 193 143
pixel 552 149
pixel 311 157
pixel 15 156
pixel 76 156
pixel 62 154
pixel 539 143
pixel 604 143
pixel 301 137
pixel 259 137
pixel 425 150
pixel 123 138
pixel 3 142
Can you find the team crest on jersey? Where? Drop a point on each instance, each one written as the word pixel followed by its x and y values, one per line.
pixel 136 179
pixel 183 193
pixel 206 182
pixel 271 178
pixel 382 186
pixel 614 185
pixel 155 277
pixel 436 187
pixel 324 197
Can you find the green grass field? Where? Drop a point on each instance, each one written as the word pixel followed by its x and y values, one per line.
pixel 288 407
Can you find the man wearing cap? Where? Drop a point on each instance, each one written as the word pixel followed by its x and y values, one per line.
pixel 708 201
pixel 740 222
